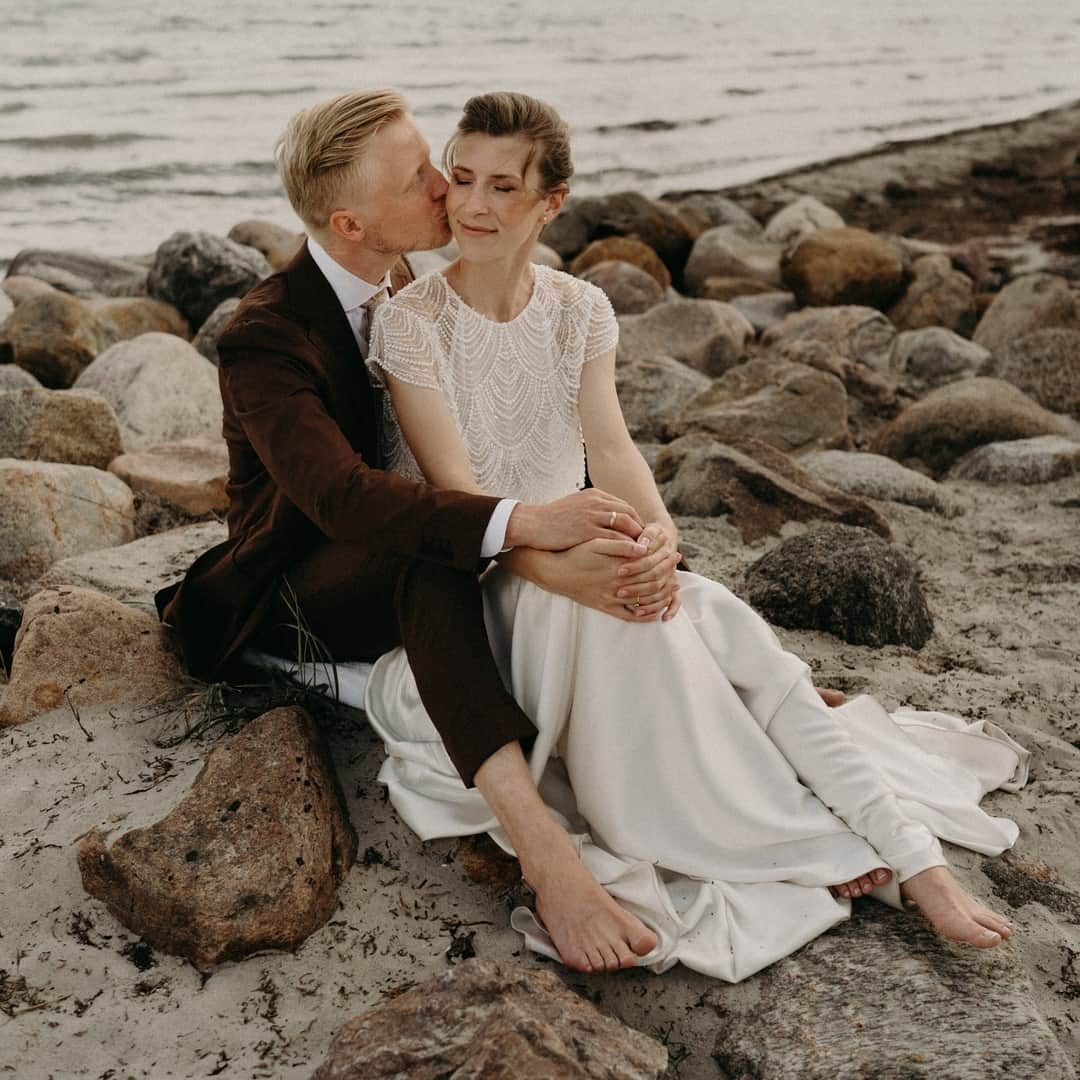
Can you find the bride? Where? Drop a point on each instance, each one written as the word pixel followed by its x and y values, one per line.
pixel 727 815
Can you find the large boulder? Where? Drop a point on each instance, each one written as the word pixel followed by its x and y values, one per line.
pixel 623 249
pixel 831 267
pixel 94 273
pixel 790 406
pixel 706 334
pixel 79 648
pixel 250 859
pixel 276 243
pixel 195 271
pixel 724 252
pixel 925 1010
pixel 189 474
pixel 653 390
pixel 630 290
pixel 873 476
pixel 543 255
pixel 757 485
pixel 932 356
pixel 133 572
pixel 49 511
pixel 206 340
pixel 851 331
pixel 13 377
pixel 1032 302
pixel 956 418
pixel 489 1022
pixel 54 336
pixel 765 310
pixel 728 288
pixel 134 315
pixel 1045 365
pixel 1023 461
pixel 7 306
pixel 78 427
pixel 938 295
pixel 704 210
pixel 20 287
pixel 799 219
pixel 846 581
pixel 161 388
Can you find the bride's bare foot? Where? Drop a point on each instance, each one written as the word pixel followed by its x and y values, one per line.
pixel 592 933
pixel 951 912
pixel 862 886
pixel 832 698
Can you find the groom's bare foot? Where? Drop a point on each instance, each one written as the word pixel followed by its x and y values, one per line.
pixel 591 932
pixel 832 698
pixel 951 912
pixel 863 885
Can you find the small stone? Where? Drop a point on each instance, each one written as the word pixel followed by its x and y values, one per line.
pixel 851 331
pixel 798 219
pixel 1022 461
pixel 846 581
pixel 206 339
pixel 623 249
pixel 278 244
pixel 790 406
pixel 934 356
pixel 766 309
pixel 77 427
pixel 705 211
pixel 873 476
pixel 108 277
pixel 832 267
pixel 757 485
pixel 237 866
pixel 725 252
pixel 1032 302
pixel 49 511
pixel 705 334
pixel 77 648
pixel 161 388
pixel 7 306
pixel 189 474
pixel 13 377
pixel 630 290
pixel 653 390
pixel 956 418
pixel 490 1022
pixel 20 287
pixel 938 295
pixel 1045 365
pixel 195 271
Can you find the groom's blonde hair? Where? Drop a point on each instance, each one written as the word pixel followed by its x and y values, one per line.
pixel 321 153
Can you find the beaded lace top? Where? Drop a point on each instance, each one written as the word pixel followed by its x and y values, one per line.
pixel 512 387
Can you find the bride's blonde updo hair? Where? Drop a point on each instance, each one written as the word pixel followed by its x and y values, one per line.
pixel 508 113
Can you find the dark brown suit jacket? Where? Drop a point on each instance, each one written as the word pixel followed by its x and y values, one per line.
pixel 302 426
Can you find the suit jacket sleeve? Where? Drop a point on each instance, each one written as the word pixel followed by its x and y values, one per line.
pixel 274 391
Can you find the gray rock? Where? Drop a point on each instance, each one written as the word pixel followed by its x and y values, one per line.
pixel 934 356
pixel 1032 302
pixel 790 406
pixel 1023 461
pixel 49 511
pixel 851 331
pixel 205 341
pixel 703 211
pixel 130 316
pixel 77 427
pixel 546 256
pixel 831 267
pixel 161 388
pixel 7 306
pixel 706 334
pixel 938 295
pixel 652 392
pixel 278 244
pixel 189 475
pixel 800 218
pixel 623 249
pixel 81 271
pixel 724 252
pixel 54 337
pixel 875 477
pixel 956 418
pixel 195 271
pixel 1045 365
pixel 759 487
pixel 764 310
pixel 13 377
pixel 846 581
pixel 630 290
pixel 132 572
pixel 250 859
pixel 486 1022
pixel 21 287
pixel 924 1010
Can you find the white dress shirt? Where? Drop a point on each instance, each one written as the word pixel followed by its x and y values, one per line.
pixel 352 293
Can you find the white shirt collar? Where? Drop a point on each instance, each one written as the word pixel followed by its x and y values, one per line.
pixel 351 291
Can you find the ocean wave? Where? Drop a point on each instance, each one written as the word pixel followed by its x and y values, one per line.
pixel 85 84
pixel 80 140
pixel 9 107
pixel 111 177
pixel 122 56
pixel 257 91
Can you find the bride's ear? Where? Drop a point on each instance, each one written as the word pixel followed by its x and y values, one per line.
pixel 555 199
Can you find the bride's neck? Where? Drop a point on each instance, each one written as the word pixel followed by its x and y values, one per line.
pixel 498 289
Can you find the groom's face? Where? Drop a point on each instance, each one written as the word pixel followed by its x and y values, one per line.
pixel 403 205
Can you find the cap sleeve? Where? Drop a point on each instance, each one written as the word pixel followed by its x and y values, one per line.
pixel 602 334
pixel 404 344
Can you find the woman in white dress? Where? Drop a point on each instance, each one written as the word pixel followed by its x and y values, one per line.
pixel 726 811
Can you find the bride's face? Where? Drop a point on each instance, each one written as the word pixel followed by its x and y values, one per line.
pixel 495 204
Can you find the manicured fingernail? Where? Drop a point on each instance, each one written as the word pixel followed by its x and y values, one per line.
pixel 623 592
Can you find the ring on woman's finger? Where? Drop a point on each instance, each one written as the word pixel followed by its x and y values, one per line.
pixel 611 523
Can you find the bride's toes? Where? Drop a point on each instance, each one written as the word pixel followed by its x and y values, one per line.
pixel 642 941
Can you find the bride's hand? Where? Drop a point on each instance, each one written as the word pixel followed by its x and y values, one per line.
pixel 649 582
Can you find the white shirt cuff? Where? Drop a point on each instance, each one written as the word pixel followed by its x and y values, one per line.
pixel 495 533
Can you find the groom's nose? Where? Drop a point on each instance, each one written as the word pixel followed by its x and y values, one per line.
pixel 437 184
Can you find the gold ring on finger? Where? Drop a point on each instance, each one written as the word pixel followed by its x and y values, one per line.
pixel 611 523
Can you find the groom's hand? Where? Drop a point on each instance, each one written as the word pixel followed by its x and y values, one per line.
pixel 572 520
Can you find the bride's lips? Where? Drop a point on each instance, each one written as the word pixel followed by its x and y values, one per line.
pixel 473 230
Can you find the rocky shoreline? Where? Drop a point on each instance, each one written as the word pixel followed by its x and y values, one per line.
pixel 859 386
